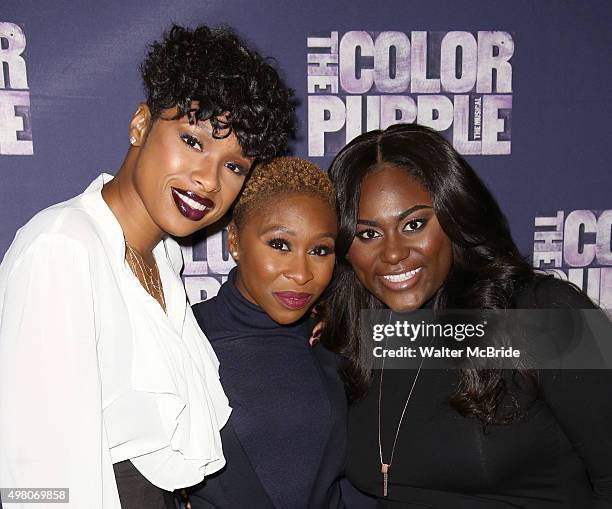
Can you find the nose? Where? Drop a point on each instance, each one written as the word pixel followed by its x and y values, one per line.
pixel 299 270
pixel 394 250
pixel 208 177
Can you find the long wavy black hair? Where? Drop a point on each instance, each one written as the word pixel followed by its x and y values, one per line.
pixel 217 69
pixel 487 268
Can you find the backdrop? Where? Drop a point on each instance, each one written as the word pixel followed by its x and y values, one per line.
pixel 521 87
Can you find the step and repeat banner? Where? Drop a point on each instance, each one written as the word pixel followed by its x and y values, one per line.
pixel 521 88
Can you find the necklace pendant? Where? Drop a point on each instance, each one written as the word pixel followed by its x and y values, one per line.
pixel 385 472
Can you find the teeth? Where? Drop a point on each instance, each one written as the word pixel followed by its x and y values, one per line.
pixel 188 201
pixel 398 278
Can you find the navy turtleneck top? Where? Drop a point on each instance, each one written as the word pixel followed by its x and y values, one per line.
pixel 281 407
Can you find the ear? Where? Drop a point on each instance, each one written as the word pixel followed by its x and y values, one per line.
pixel 139 125
pixel 232 241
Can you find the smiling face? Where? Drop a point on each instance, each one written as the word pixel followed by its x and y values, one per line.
pixel 185 178
pixel 400 253
pixel 285 254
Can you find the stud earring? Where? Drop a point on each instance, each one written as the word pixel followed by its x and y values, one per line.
pixel 132 140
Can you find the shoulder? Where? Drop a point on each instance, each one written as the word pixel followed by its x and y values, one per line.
pixel 546 291
pixel 54 229
pixel 204 311
pixel 327 356
pixel 60 234
pixel 68 220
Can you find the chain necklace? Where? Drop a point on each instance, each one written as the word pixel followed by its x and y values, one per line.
pixel 148 276
pixel 385 467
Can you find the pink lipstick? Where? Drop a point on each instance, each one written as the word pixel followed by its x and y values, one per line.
pixel 293 300
pixel 191 205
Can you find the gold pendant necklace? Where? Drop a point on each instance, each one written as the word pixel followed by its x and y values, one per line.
pixel 148 278
pixel 385 467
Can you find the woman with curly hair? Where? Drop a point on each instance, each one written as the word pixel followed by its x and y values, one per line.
pixel 107 385
pixel 285 440
pixel 419 230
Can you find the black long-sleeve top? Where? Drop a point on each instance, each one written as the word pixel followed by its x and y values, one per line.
pixel 558 455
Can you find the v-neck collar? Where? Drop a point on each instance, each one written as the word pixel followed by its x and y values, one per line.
pixel 167 255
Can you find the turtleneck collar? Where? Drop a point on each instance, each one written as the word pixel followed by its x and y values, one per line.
pixel 244 316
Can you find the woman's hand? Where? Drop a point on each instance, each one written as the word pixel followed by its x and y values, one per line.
pixel 316 333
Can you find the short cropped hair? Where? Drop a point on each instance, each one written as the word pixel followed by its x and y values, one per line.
pixel 283 175
pixel 217 69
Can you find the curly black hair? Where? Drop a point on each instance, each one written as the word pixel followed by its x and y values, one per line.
pixel 217 69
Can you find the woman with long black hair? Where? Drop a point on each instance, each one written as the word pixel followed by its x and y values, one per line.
pixel 419 230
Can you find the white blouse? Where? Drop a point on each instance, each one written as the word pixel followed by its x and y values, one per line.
pixel 92 371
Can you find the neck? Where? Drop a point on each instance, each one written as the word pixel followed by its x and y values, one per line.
pixel 242 289
pixel 120 194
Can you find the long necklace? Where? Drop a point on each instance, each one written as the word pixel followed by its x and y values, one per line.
pixel 385 467
pixel 148 276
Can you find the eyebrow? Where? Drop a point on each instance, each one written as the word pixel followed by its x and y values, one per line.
pixel 242 159
pixel 400 216
pixel 294 234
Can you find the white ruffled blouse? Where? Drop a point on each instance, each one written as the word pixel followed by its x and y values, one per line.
pixel 92 371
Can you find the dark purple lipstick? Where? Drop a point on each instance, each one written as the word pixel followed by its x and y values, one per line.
pixel 191 205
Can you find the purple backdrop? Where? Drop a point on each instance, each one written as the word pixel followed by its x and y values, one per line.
pixel 521 87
